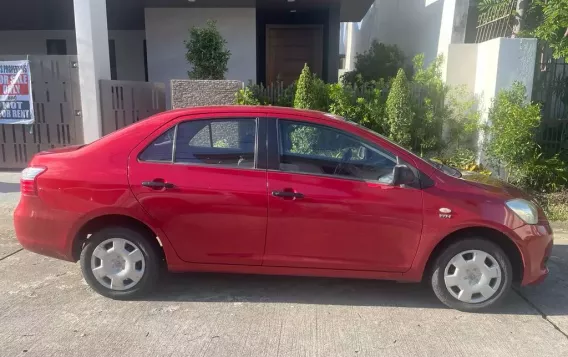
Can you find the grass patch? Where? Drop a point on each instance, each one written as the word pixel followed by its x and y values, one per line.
pixel 555 205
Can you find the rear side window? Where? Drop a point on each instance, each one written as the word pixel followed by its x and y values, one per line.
pixel 217 142
pixel 229 142
pixel 160 150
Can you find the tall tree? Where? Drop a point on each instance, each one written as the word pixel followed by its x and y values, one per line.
pixel 522 6
pixel 554 25
pixel 545 19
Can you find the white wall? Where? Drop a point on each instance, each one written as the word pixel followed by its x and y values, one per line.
pixel 416 26
pixel 166 30
pixel 452 25
pixel 461 66
pixel 33 42
pixel 489 67
pixel 129 48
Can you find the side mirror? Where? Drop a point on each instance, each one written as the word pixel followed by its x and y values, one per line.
pixel 403 175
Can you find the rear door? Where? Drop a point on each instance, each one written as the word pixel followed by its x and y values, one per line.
pixel 332 205
pixel 201 180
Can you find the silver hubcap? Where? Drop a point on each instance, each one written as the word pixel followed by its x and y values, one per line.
pixel 472 276
pixel 117 264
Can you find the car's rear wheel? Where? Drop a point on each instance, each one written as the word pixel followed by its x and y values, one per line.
pixel 120 263
pixel 472 274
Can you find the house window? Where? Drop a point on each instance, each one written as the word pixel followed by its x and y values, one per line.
pixel 56 47
pixel 112 57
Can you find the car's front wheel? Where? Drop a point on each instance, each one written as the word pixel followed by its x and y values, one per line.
pixel 120 263
pixel 472 274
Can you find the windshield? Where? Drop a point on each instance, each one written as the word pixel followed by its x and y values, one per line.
pixel 448 170
pixel 439 166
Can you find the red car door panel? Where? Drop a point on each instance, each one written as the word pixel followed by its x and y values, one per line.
pixel 342 224
pixel 330 205
pixel 211 214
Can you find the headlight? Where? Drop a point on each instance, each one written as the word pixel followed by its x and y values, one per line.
pixel 526 210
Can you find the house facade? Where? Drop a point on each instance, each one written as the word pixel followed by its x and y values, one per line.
pixel 415 26
pixel 143 40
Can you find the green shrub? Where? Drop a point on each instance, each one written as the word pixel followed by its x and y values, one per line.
pixel 246 96
pixel 542 174
pixel 255 94
pixel 207 52
pixel 398 111
pixel 461 120
pixel 305 94
pixel 373 114
pixel 286 99
pixel 513 123
pixel 430 113
pixel 321 94
pixel 365 106
pixel 554 204
pixel 343 102
pixel 381 61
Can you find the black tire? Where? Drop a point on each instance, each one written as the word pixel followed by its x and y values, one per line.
pixel 474 243
pixel 152 258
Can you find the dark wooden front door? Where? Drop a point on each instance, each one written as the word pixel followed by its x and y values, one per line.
pixel 288 48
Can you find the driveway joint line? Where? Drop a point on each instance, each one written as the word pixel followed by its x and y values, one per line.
pixel 542 314
pixel 9 255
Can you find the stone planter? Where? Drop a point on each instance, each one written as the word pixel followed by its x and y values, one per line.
pixel 193 93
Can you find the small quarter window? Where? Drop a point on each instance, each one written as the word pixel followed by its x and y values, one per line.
pixel 160 149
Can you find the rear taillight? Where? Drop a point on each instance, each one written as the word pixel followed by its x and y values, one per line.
pixel 28 181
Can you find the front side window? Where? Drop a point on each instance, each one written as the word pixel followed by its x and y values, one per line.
pixel 217 142
pixel 316 149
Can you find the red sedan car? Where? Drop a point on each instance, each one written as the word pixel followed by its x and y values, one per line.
pixel 269 190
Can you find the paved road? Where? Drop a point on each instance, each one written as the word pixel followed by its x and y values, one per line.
pixel 46 309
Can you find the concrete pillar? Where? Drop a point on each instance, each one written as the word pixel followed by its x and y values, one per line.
pixel 333 45
pixel 350 47
pixel 453 26
pixel 94 63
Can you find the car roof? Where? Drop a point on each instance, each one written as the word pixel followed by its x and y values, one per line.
pixel 267 110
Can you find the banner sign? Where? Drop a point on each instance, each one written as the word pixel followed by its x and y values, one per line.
pixel 16 104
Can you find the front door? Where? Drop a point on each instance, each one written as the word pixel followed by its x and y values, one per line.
pixel 208 196
pixel 332 205
pixel 288 48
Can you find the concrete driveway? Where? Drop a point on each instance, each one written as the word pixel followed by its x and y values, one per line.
pixel 46 309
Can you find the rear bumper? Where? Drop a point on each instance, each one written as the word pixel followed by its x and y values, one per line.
pixel 43 231
pixel 536 246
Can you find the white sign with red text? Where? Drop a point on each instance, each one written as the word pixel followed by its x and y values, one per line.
pixel 16 104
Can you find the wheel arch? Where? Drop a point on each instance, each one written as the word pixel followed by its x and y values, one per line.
pixel 97 223
pixel 501 239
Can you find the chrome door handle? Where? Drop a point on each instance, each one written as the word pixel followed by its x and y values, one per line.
pixel 287 194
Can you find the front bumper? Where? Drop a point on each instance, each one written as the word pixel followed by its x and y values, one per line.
pixel 535 243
